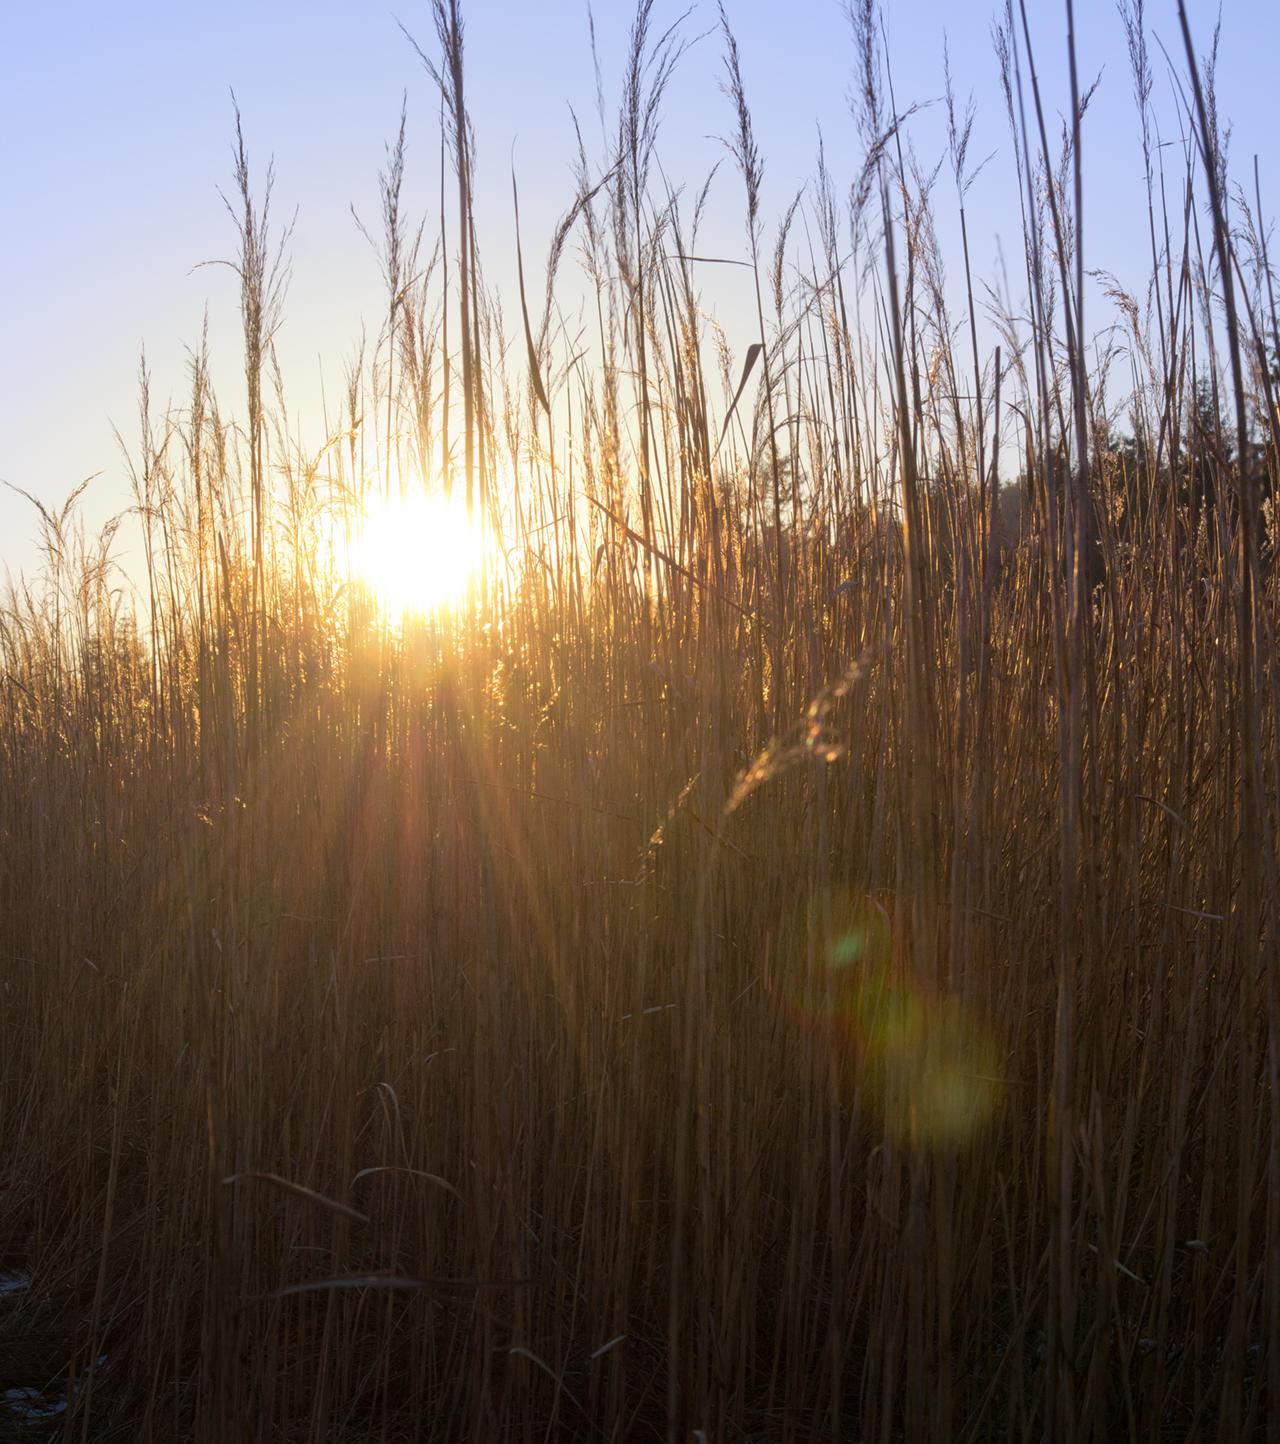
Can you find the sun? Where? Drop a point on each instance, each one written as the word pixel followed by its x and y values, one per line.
pixel 416 554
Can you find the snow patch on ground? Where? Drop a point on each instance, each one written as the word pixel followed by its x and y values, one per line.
pixel 14 1281
pixel 32 1404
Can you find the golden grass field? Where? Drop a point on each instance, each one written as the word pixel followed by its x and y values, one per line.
pixel 755 919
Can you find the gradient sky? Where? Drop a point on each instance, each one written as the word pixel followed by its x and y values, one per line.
pixel 116 123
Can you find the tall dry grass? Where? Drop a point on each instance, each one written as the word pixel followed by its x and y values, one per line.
pixel 793 956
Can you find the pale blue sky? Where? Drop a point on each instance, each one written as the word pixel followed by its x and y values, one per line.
pixel 115 125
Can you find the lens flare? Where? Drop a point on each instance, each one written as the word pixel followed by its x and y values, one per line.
pixel 929 1067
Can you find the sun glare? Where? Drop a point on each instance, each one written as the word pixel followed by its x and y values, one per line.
pixel 416 554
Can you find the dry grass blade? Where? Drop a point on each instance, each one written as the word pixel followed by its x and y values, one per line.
pixel 518 1351
pixel 411 1172
pixel 535 370
pixel 396 1283
pixel 605 1348
pixel 299 1190
pixel 653 550
pixel 754 352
